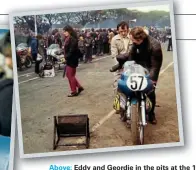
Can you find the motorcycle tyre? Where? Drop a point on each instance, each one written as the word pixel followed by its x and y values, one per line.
pixel 140 128
pixel 28 62
pixel 135 124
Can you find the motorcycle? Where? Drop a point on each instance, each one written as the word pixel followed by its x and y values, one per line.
pixel 23 57
pixel 131 99
pixel 55 55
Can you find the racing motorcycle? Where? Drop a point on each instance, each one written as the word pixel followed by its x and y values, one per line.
pixel 55 55
pixel 131 99
pixel 23 57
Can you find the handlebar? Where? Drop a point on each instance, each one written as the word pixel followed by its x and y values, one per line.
pixel 121 58
pixel 115 68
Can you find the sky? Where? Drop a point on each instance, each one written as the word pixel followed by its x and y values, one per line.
pixel 151 8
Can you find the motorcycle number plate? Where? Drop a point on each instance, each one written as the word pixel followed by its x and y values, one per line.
pixel 137 82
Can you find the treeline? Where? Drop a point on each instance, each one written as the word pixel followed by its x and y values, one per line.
pixel 81 19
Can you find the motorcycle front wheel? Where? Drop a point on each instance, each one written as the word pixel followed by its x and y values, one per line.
pixel 134 125
pixel 140 126
pixel 137 129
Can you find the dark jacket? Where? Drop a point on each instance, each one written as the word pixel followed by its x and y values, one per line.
pixel 93 35
pixel 149 55
pixel 100 38
pixel 6 92
pixel 81 46
pixel 34 46
pixel 55 40
pixel 88 42
pixel 105 37
pixel 71 52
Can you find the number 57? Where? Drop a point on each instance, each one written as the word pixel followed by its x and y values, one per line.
pixel 136 81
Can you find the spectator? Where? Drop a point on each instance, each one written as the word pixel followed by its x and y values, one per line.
pixel 88 42
pixel 100 43
pixel 105 42
pixel 169 47
pixel 34 52
pixel 55 38
pixel 94 46
pixel 110 36
pixel 81 47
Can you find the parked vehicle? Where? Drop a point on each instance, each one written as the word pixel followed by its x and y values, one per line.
pixel 23 57
pixel 55 55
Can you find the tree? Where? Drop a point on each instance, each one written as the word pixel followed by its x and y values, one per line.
pixel 29 22
pixel 52 18
pixel 25 20
pixel 45 22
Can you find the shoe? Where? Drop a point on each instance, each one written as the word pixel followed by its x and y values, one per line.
pixel 73 94
pixel 80 90
pixel 152 119
pixel 117 112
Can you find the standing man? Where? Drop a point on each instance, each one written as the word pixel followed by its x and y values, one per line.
pixel 88 42
pixel 105 41
pixel 100 42
pixel 34 52
pixel 169 36
pixel 94 36
pixel 55 38
pixel 121 43
pixel 110 36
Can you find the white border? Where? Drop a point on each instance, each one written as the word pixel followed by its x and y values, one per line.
pixel 13 122
pixel 97 7
pixel 177 83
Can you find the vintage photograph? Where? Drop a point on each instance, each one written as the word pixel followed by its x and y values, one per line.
pixel 6 93
pixel 96 78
